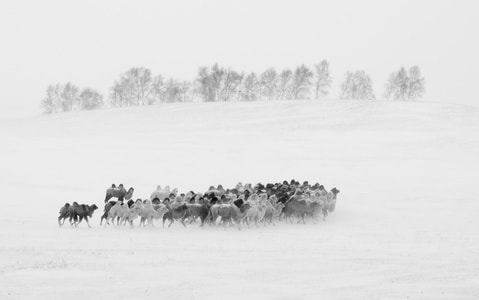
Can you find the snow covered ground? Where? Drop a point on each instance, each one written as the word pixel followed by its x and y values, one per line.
pixel 405 226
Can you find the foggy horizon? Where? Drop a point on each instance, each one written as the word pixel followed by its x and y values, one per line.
pixel 91 44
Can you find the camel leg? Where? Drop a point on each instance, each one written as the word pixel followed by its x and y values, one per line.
pixel 224 223
pixel 88 223
pixel 80 219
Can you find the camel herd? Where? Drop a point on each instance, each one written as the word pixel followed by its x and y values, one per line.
pixel 244 204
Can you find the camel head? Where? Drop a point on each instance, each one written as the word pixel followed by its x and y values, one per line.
pixel 335 191
pixel 245 207
pixel 92 209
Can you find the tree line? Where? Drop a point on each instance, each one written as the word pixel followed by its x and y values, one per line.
pixel 138 87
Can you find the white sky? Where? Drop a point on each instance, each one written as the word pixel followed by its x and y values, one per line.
pixel 91 42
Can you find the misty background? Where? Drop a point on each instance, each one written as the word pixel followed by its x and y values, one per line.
pixel 90 43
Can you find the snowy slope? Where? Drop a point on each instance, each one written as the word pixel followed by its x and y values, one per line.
pixel 405 224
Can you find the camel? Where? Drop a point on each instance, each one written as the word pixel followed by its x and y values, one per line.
pixel 329 202
pixel 116 211
pixel 64 214
pixel 296 207
pixel 148 212
pixel 219 210
pixel 239 213
pixel 78 212
pixel 229 213
pixel 119 192
pixel 272 213
pixel 199 210
pixel 218 191
pixel 332 197
pixel 179 213
pixel 106 210
pixel 162 193
pixel 255 213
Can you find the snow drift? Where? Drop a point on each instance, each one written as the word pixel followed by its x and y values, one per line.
pixel 405 224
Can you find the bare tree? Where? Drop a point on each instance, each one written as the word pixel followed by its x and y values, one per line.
pixel 357 85
pixel 158 90
pixel 217 74
pixel 135 87
pixel 210 82
pixel 416 83
pixel 284 84
pixel 398 85
pixel 185 87
pixel 250 88
pixel 404 86
pixel 52 102
pixel 322 80
pixel 69 96
pixel 172 90
pixel 218 83
pixel 194 92
pixel 269 81
pixel 230 84
pixel 301 82
pixel 90 99
pixel 66 97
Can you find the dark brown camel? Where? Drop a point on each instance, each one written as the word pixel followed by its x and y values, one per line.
pixel 64 214
pixel 119 192
pixel 78 212
pixel 180 213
